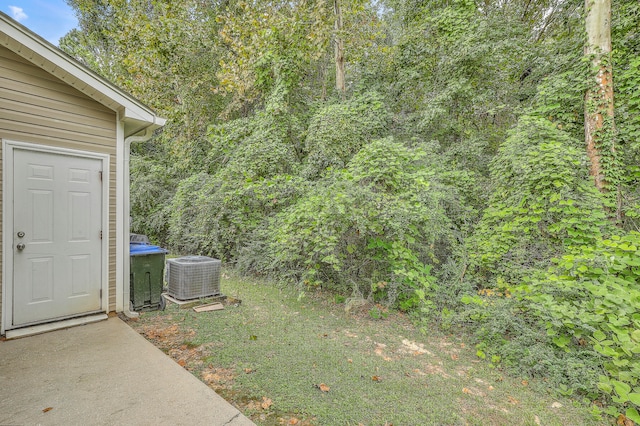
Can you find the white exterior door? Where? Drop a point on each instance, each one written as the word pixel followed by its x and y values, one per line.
pixel 57 232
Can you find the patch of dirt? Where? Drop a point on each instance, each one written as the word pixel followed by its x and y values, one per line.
pixel 379 350
pixel 432 369
pixel 160 334
pixel 470 390
pixel 218 378
pixel 413 348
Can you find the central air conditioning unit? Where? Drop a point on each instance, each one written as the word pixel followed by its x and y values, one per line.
pixel 193 277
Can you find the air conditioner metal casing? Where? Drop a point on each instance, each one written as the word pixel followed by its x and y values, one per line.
pixel 193 277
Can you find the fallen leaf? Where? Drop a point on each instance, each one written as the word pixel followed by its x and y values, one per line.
pixel 536 419
pixel 45 410
pixel 210 376
pixel 293 421
pixel 556 405
pixel 466 390
pixel 182 362
pixel 525 383
pixel 266 403
pixel 376 378
pixel 248 370
pixel 512 400
pixel 623 420
pixel 490 387
pixel 454 357
pixel 323 387
pixel 350 360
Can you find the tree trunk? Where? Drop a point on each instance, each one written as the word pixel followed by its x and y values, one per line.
pixel 339 49
pixel 598 115
pixel 599 124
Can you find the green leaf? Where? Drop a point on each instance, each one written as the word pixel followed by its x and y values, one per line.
pixel 561 341
pixel 599 335
pixel 635 398
pixel 622 389
pixel 605 387
pixel 632 414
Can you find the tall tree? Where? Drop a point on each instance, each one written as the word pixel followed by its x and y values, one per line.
pixel 339 49
pixel 599 122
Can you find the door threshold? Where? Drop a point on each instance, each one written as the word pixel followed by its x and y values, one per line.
pixel 44 328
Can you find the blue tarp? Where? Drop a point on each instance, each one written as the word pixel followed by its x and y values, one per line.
pixel 142 249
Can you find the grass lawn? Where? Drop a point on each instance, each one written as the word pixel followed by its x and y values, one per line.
pixel 284 359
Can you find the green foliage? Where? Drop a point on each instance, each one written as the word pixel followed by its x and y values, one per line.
pixel 516 341
pixel 590 298
pixel 543 202
pixel 626 63
pixel 186 230
pixel 370 228
pixel 464 101
pixel 164 53
pixel 560 94
pixel 626 51
pixel 150 198
pixel 443 182
pixel 249 178
pixel 269 45
pixel 338 131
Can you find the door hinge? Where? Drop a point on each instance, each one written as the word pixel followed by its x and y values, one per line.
pixel 100 294
pixel 100 234
pixel 100 173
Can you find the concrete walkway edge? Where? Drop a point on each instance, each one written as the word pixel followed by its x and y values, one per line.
pixel 103 373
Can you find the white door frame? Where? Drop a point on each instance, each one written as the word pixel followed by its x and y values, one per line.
pixel 8 146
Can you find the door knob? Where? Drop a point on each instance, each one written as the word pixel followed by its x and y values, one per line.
pixel 20 234
pixel 20 246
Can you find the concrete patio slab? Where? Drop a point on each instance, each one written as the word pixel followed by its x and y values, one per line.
pixel 102 374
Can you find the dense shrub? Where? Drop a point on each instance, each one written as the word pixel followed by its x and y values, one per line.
pixel 152 189
pixel 249 177
pixel 338 131
pixel 370 230
pixel 542 203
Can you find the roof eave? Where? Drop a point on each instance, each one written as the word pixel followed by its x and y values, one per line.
pixel 43 54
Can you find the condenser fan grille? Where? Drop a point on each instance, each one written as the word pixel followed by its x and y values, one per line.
pixel 193 277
